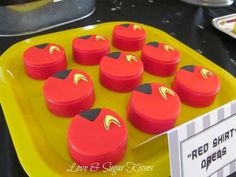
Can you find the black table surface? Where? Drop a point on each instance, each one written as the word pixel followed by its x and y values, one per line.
pixel 189 24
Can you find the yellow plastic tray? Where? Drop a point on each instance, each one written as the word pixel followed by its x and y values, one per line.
pixel 40 137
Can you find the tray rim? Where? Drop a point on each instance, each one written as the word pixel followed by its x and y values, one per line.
pixel 215 20
pixel 24 132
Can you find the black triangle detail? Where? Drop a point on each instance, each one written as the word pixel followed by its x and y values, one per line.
pixel 189 68
pixel 154 44
pixel 85 37
pixel 62 74
pixel 42 46
pixel 91 114
pixel 125 25
pixel 144 88
pixel 114 55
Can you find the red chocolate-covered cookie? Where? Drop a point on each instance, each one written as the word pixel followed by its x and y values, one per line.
pixel 89 50
pixel 97 136
pixel 128 37
pixel 160 59
pixel 42 61
pixel 69 92
pixel 120 71
pixel 196 85
pixel 153 108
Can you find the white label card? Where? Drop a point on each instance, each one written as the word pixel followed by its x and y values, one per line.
pixel 205 146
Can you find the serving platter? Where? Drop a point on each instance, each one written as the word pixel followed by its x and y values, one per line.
pixel 40 138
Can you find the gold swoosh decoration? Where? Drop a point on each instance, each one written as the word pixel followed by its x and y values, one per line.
pixel 205 73
pixel 163 91
pixel 168 48
pixel 53 48
pixel 135 27
pixel 78 77
pixel 129 58
pixel 110 119
pixel 98 38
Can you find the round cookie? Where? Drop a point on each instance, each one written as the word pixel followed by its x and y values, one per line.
pixel 42 61
pixel 160 59
pixel 69 92
pixel 196 85
pixel 97 136
pixel 153 108
pixel 89 50
pixel 128 37
pixel 120 71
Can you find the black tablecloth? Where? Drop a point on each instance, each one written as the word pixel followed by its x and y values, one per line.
pixel 190 24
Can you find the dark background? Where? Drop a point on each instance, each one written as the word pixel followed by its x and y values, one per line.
pixel 189 24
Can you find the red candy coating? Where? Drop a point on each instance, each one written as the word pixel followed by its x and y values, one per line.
pixel 120 71
pixel 97 136
pixel 128 37
pixel 160 59
pixel 89 50
pixel 43 60
pixel 69 92
pixel 196 86
pixel 153 108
